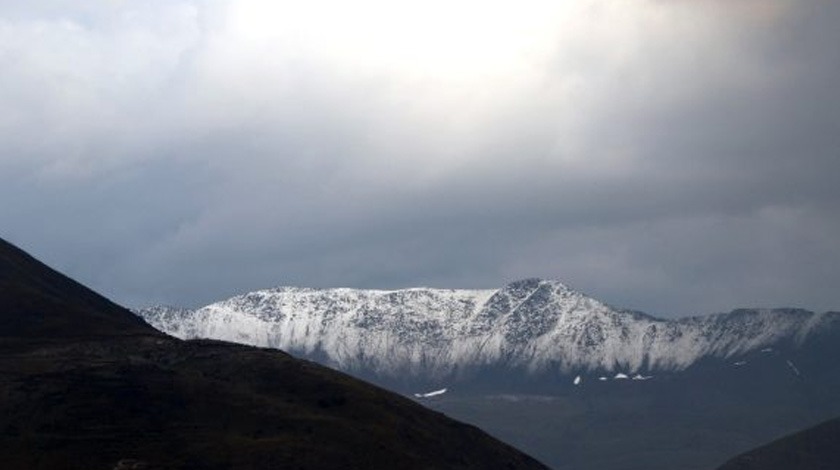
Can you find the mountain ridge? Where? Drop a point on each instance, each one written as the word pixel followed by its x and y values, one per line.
pixel 28 288
pixel 533 325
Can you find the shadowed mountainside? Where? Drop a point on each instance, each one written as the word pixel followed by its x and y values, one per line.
pixel 37 302
pixel 84 384
pixel 816 448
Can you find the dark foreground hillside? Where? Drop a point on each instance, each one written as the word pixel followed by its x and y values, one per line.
pixel 85 385
pixel 816 448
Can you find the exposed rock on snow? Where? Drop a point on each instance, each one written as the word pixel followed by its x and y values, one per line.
pixel 534 325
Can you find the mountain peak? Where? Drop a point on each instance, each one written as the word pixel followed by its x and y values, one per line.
pixel 41 302
pixel 536 282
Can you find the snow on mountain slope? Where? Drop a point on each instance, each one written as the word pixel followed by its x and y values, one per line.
pixel 535 325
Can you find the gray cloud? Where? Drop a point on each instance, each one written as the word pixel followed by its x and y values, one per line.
pixel 674 157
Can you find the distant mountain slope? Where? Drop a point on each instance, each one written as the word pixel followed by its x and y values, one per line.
pixel 533 326
pixel 816 448
pixel 85 385
pixel 570 379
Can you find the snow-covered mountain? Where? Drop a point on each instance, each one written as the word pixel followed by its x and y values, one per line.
pixel 533 326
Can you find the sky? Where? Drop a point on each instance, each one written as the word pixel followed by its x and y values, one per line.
pixel 672 156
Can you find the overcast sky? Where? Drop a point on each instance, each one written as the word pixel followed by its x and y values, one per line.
pixel 672 156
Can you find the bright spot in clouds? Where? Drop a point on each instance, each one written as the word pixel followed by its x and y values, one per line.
pixel 434 39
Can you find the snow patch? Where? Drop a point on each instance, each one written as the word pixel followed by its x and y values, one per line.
pixel 577 380
pixel 620 376
pixel 793 368
pixel 430 394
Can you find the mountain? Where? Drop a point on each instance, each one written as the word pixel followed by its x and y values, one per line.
pixel 86 385
pixel 815 448
pixel 38 302
pixel 571 380
pixel 534 328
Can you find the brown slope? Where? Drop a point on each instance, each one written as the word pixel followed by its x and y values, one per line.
pixel 816 448
pixel 112 391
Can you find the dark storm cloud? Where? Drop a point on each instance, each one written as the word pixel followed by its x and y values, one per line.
pixel 674 157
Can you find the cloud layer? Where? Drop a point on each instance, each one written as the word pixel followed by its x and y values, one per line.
pixel 674 157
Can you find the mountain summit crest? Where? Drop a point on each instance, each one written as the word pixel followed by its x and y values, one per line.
pixel 536 326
